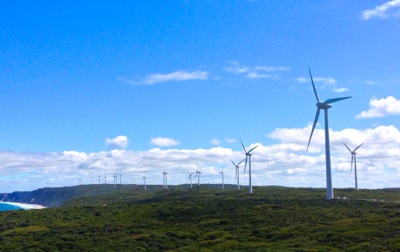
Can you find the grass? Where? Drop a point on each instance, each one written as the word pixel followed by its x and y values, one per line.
pixel 206 219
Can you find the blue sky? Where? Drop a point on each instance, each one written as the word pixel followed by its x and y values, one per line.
pixel 132 87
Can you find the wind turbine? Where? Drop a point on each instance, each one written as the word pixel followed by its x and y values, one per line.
pixel 190 178
pixel 237 172
pixel 248 156
pixel 222 173
pixel 353 157
pixel 165 184
pixel 325 105
pixel 144 182
pixel 197 175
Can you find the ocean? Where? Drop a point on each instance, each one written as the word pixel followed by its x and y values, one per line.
pixel 6 207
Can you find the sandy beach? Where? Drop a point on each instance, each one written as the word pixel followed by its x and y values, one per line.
pixel 24 205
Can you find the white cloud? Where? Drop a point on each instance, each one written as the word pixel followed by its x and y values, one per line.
pixel 155 78
pixel 284 163
pixel 230 140
pixel 119 142
pixel 256 72
pixel 164 141
pixel 324 80
pixel 340 90
pixel 175 76
pixel 215 142
pixel 381 107
pixel 388 9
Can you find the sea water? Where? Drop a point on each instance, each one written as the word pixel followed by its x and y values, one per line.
pixel 6 207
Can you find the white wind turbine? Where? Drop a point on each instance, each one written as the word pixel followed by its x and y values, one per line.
pixel 353 158
pixel 222 173
pixel 197 175
pixel 190 178
pixel 165 184
pixel 237 174
pixel 325 105
pixel 144 182
pixel 248 157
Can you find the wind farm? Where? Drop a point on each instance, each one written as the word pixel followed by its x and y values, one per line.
pixel 196 125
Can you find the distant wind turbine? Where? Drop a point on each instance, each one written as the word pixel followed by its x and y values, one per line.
pixel 248 157
pixel 190 178
pixel 325 105
pixel 353 158
pixel 165 182
pixel 222 173
pixel 144 182
pixel 197 175
pixel 237 172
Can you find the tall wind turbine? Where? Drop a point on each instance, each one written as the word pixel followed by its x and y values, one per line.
pixel 197 175
pixel 325 105
pixel 222 173
pixel 144 182
pixel 248 157
pixel 237 172
pixel 190 178
pixel 353 158
pixel 165 184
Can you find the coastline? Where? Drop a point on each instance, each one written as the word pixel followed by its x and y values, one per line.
pixel 25 206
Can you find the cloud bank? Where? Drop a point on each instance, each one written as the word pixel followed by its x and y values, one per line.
pixel 284 163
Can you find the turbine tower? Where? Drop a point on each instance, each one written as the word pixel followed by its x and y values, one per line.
pixel 248 157
pixel 165 184
pixel 237 172
pixel 190 178
pixel 325 105
pixel 353 158
pixel 222 173
pixel 197 175
pixel 144 182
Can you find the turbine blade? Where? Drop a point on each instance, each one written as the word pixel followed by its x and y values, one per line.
pixel 243 146
pixel 253 148
pixel 312 82
pixel 233 162
pixel 347 147
pixel 329 101
pixel 358 147
pixel 313 127
pixel 240 162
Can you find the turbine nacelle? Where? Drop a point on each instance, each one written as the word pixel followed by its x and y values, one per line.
pixel 323 105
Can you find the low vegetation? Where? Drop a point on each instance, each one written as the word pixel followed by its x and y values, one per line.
pixel 210 219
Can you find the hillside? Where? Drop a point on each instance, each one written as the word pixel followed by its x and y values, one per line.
pixel 205 219
pixel 56 196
